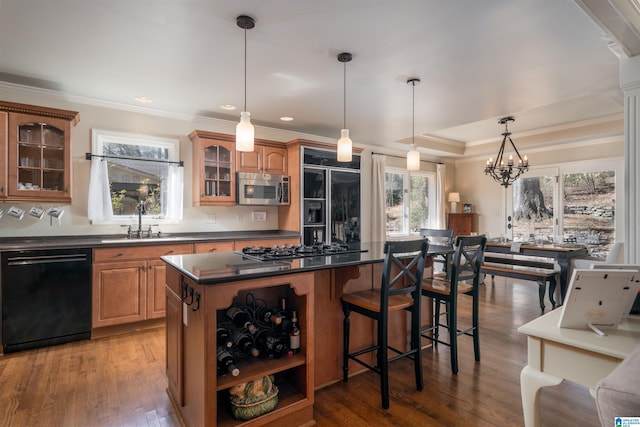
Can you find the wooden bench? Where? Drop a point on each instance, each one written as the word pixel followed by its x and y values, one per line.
pixel 525 268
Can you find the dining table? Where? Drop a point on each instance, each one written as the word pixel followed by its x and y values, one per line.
pixel 561 253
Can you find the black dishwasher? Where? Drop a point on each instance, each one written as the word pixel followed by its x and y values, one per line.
pixel 46 297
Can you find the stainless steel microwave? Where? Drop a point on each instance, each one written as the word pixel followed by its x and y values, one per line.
pixel 262 189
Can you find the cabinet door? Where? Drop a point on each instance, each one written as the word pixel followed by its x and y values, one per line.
pixel 174 345
pixel 39 158
pixel 156 281
pixel 214 172
pixel 4 117
pixel 119 293
pixel 250 161
pixel 275 160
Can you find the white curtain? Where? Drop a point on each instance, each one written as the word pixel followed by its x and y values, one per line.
pixel 173 193
pixel 378 205
pixel 99 207
pixel 441 171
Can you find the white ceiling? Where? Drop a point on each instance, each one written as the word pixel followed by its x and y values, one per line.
pixel 544 61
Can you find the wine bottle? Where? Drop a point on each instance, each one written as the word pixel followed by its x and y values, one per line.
pixel 226 362
pixel 240 318
pixel 294 335
pixel 284 322
pixel 264 341
pixel 223 337
pixel 264 313
pixel 245 344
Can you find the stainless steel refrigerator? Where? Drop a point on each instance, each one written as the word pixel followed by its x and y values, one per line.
pixel 330 198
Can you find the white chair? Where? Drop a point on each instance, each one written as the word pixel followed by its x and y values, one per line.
pixel 615 256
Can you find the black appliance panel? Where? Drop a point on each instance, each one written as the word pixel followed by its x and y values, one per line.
pixel 46 297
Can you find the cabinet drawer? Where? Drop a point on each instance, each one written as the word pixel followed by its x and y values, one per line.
pixel 212 247
pixel 128 253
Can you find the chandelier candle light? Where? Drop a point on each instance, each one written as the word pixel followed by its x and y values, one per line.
pixel 506 173
pixel 413 156
pixel 245 132
pixel 344 143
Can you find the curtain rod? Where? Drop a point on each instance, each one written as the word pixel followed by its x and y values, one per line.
pixel 401 157
pixel 89 156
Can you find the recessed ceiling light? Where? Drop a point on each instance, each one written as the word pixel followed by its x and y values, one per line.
pixel 286 119
pixel 228 107
pixel 143 99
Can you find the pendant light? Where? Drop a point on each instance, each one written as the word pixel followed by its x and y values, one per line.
pixel 245 132
pixel 413 156
pixel 344 143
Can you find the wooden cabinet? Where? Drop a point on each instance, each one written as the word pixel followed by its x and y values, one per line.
pixel 263 159
pixel 173 324
pixel 128 283
pixel 200 395
pixel 37 141
pixel 214 180
pixel 462 224
pixel 212 247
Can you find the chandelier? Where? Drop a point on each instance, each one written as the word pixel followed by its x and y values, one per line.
pixel 505 173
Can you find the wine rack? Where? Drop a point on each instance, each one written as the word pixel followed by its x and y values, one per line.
pixel 202 395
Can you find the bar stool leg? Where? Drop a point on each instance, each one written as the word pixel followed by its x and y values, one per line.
pixel 383 361
pixel 346 326
pixel 453 336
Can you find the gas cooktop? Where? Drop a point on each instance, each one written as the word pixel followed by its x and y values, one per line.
pixel 296 251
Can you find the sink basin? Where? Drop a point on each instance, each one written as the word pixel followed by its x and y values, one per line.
pixel 142 240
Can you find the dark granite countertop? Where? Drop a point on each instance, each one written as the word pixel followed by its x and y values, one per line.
pixel 110 240
pixel 208 269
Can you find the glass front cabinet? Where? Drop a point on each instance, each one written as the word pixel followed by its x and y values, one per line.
pixel 213 168
pixel 38 163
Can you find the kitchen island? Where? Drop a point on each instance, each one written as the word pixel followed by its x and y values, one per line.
pixel 202 286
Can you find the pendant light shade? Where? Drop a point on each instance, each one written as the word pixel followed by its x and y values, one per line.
pixel 413 156
pixel 345 145
pixel 245 132
pixel 413 159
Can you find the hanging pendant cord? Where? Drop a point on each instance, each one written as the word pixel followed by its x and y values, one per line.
pixel 413 112
pixel 245 70
pixel 344 91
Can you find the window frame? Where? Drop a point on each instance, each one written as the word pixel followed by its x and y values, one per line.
pixel 99 137
pixel 406 211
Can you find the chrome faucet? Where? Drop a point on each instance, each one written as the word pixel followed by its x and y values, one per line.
pixel 140 209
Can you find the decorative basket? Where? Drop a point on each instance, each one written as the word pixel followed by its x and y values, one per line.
pixel 253 398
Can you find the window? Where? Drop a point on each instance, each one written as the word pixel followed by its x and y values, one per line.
pixel 574 203
pixel 407 198
pixel 142 177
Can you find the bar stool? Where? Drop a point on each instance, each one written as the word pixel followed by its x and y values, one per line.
pixel 439 237
pixel 398 292
pixel 464 280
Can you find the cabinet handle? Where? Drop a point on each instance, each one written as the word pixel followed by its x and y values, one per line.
pixel 66 190
pixel 142 267
pixel 185 287
pixel 213 249
pixel 191 292
pixel 197 306
pixel 170 252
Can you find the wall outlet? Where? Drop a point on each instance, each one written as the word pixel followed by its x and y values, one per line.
pixel 258 216
pixel 211 219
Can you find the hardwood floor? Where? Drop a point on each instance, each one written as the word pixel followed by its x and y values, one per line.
pixel 120 381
